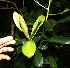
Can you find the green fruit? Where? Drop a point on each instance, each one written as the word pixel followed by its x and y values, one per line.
pixel 29 48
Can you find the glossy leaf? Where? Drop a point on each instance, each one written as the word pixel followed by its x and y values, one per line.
pixel 52 62
pixel 29 48
pixel 23 40
pixel 38 59
pixel 37 25
pixel 59 39
pixel 49 25
pixel 20 23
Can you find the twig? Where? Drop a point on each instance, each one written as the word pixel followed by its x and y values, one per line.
pixel 14 6
pixel 40 4
pixel 48 10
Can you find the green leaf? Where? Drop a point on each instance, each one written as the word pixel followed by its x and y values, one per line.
pixel 20 41
pixel 43 47
pixel 20 23
pixel 37 25
pixel 38 59
pixel 59 39
pixel 36 39
pixel 29 48
pixel 23 40
pixel 66 10
pixel 64 20
pixel 24 9
pixel 49 25
pixel 29 19
pixel 19 49
pixel 52 62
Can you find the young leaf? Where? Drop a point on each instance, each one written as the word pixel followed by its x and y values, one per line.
pixel 20 23
pixel 66 10
pixel 29 48
pixel 16 19
pixel 37 25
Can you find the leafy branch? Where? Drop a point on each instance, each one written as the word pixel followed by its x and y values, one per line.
pixel 47 8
